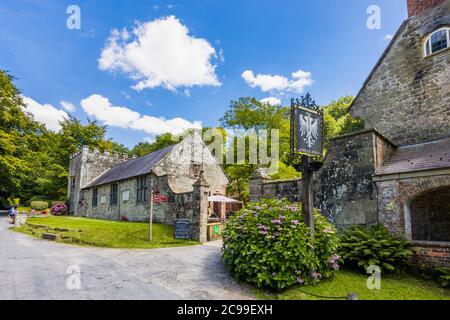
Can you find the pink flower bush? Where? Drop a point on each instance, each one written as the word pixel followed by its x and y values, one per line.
pixel 59 209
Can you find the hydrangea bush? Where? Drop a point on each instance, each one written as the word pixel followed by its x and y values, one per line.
pixel 59 209
pixel 268 245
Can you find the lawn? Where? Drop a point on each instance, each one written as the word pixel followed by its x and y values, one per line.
pixel 101 233
pixel 392 288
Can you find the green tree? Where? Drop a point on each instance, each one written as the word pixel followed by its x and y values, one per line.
pixel 20 140
pixel 337 120
pixel 246 115
pixel 161 141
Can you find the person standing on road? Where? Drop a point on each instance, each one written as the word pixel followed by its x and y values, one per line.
pixel 12 214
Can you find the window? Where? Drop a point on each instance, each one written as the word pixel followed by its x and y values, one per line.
pixel 113 194
pixel 72 184
pixel 142 189
pixel 94 197
pixel 437 41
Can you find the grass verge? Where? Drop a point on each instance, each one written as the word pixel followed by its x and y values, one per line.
pixel 404 287
pixel 102 233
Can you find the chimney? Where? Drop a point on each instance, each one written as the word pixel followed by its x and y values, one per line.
pixel 416 7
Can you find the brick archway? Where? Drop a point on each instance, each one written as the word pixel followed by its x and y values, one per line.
pixel 422 186
pixel 414 190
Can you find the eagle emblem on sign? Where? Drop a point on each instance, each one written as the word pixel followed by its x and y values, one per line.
pixel 309 129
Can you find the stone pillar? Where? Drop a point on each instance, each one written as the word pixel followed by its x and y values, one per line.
pixel 200 214
pixel 257 180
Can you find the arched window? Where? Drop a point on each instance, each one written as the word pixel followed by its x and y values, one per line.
pixel 437 41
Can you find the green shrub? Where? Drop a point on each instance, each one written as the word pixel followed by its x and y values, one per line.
pixel 444 276
pixel 39 205
pixel 38 198
pixel 362 247
pixel 267 245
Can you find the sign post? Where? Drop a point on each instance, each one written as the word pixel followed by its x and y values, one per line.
pixel 307 142
pixel 151 215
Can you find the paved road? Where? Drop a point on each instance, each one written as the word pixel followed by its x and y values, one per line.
pixel 32 268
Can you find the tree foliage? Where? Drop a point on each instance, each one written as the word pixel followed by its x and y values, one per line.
pixel 161 141
pixel 247 114
pixel 33 160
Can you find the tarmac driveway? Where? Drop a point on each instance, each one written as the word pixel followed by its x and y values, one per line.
pixel 32 268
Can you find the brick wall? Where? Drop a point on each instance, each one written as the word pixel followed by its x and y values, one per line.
pixel 418 6
pixel 431 253
pixel 394 194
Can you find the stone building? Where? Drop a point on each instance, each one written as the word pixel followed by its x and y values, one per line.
pixel 397 170
pixel 111 187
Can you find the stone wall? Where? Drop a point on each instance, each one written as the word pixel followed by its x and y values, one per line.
pixel 179 163
pixel 262 186
pixel 130 208
pixel 343 188
pixel 85 166
pixel 407 97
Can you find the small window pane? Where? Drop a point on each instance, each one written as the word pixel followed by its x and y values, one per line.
pixel 427 48
pixel 439 41
pixel 113 195
pixel 94 197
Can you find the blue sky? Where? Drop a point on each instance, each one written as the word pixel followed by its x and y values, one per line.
pixel 193 60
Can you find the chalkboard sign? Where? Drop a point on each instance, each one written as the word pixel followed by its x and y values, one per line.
pixel 182 229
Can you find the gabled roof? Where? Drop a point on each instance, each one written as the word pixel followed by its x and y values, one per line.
pixel 418 157
pixel 132 168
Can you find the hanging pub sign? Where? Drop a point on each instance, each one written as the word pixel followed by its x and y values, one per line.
pixel 308 128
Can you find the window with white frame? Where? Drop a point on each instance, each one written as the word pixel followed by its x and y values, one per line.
pixel 437 41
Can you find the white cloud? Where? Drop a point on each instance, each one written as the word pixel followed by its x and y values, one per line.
pixel 272 101
pixel 388 37
pixel 267 82
pixel 45 113
pixel 102 109
pixel 161 53
pixel 68 106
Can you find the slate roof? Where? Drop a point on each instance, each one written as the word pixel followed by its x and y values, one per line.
pixel 418 157
pixel 132 168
